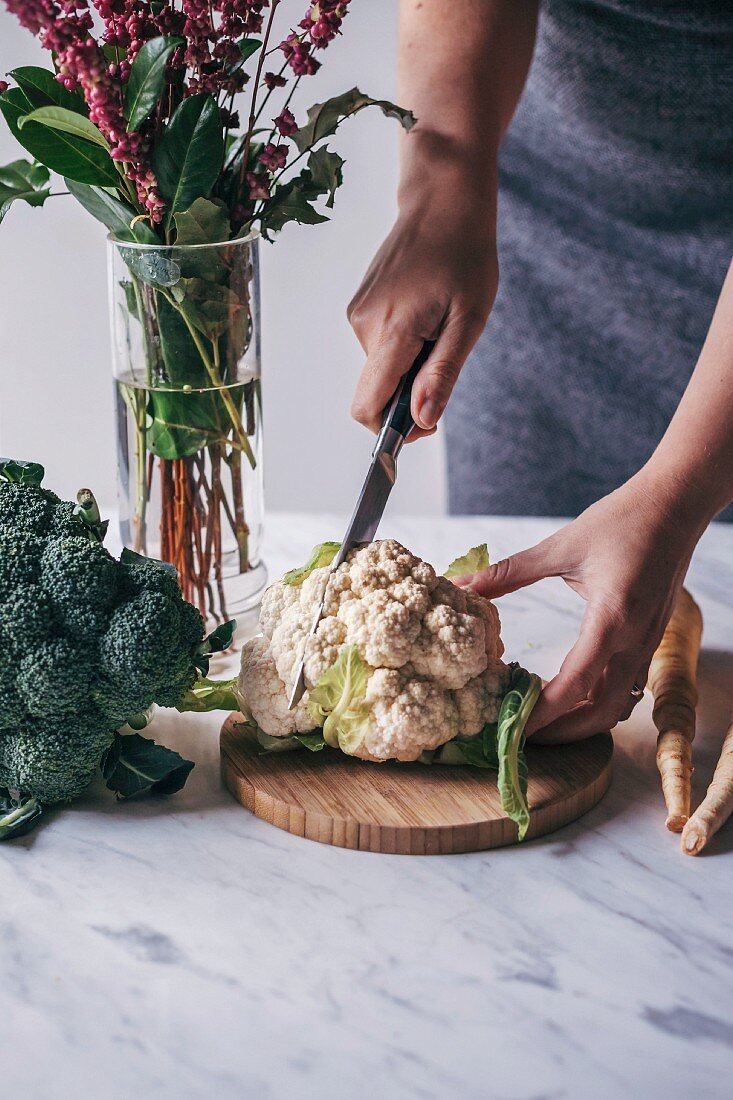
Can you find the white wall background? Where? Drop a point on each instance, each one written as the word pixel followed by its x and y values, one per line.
pixel 55 393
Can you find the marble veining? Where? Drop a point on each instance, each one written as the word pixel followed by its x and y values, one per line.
pixel 184 949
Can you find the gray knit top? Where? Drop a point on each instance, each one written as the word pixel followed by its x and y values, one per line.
pixel 615 234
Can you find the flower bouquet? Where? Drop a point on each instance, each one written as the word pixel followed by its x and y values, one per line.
pixel 171 122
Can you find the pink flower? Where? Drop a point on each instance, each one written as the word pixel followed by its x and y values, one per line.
pixel 285 123
pixel 298 56
pixel 3 86
pixel 322 21
pixel 259 185
pixel 274 80
pixel 241 17
pixel 273 157
pixel 230 119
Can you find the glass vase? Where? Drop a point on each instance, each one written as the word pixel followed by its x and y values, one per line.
pixel 185 326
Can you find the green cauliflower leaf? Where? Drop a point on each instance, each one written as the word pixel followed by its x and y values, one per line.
pixel 472 562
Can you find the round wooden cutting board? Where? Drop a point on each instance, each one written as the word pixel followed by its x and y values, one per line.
pixel 408 809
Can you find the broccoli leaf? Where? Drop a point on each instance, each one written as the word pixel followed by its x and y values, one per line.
pixel 22 473
pixel 129 557
pixel 337 702
pixel 134 765
pixel 219 640
pixel 321 555
pixel 208 695
pixel 516 708
pixel 472 562
pixel 87 510
pixel 312 741
pixel 17 816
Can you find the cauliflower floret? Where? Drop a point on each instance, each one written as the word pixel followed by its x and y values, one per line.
pixel 263 691
pixel 324 648
pixel 288 635
pixel 479 701
pixel 382 565
pixel 451 648
pixel 277 603
pixel 384 629
pixel 485 609
pixel 408 716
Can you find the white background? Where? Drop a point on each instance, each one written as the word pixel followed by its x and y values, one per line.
pixel 55 392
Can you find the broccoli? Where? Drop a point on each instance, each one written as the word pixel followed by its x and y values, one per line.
pixel 87 642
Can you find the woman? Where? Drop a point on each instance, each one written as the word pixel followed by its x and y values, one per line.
pixel 614 230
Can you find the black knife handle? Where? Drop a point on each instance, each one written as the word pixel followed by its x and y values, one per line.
pixel 397 415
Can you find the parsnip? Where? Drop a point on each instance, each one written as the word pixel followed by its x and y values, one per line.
pixel 716 807
pixel 673 683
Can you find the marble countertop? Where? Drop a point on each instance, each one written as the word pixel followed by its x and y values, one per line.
pixel 185 949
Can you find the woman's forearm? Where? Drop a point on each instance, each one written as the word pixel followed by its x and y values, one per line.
pixel 694 461
pixel 462 68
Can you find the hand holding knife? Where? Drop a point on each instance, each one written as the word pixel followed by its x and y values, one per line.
pixel 397 424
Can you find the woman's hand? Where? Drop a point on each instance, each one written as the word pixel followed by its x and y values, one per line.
pixel 627 557
pixel 434 278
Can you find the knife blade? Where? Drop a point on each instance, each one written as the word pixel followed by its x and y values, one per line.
pixel 397 423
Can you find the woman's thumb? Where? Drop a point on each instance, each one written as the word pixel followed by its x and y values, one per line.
pixel 512 573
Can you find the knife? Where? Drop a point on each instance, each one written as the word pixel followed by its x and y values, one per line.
pixel 397 423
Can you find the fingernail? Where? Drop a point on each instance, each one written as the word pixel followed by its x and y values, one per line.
pixel 429 413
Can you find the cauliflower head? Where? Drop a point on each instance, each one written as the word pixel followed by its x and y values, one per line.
pixel 426 653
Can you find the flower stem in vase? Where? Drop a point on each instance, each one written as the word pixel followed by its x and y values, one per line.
pixel 215 520
pixel 240 525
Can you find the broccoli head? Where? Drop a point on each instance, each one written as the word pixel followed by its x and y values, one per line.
pixel 86 641
pixel 54 759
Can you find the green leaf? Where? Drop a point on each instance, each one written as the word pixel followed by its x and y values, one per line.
pixel 42 89
pixel 324 118
pixel 188 156
pixel 147 78
pixel 276 744
pixel 314 742
pixel 206 695
pixel 129 557
pixel 69 122
pixel 472 562
pixel 516 708
pixel 221 638
pixel 338 701
pixel 111 211
pixel 182 424
pixel 183 365
pixel 87 509
pixel 291 202
pixel 209 307
pixel 20 472
pixel 205 222
pixel 17 817
pixel 247 47
pixel 321 556
pixel 70 156
pixel 24 181
pixel 325 168
pixel 135 765
pixel 479 752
